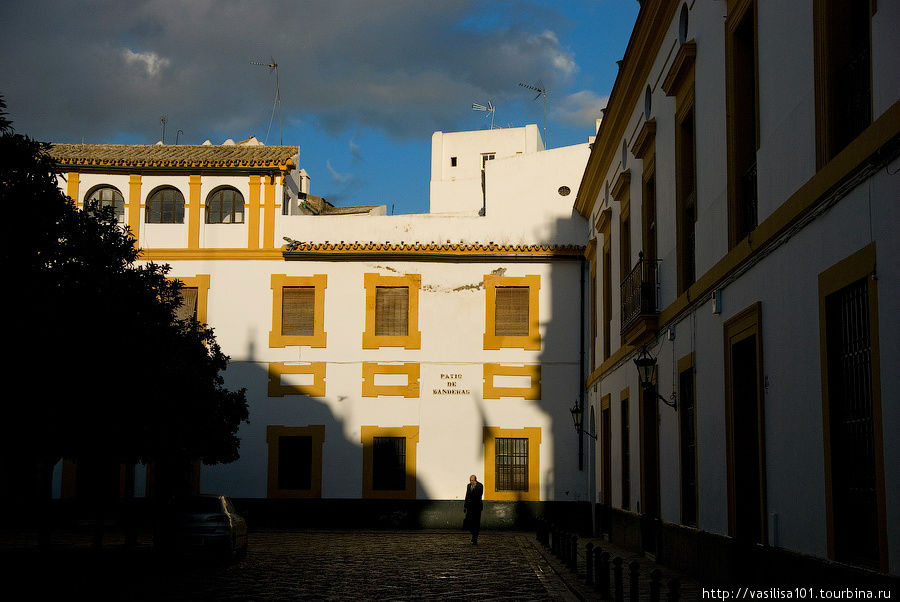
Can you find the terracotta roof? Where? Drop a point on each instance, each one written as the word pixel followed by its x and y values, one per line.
pixel 296 247
pixel 173 156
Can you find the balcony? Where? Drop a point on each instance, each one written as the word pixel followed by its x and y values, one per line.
pixel 640 302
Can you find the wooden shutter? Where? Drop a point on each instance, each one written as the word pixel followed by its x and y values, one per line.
pixel 511 311
pixel 298 304
pixel 392 311
pixel 188 307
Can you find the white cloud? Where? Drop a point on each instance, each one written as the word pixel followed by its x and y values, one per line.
pixel 562 61
pixel 581 109
pixel 337 176
pixel 151 62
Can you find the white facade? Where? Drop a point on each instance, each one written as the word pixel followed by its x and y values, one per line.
pixel 449 388
pixel 823 220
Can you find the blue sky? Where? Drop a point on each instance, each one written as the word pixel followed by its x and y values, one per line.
pixel 363 84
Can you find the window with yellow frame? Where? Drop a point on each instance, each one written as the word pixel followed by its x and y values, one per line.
pixel 295 461
pixel 511 312
pixel 194 295
pixel 389 462
pixel 392 311
pixel 512 463
pixel 298 310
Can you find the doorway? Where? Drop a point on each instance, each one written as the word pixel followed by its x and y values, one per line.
pixel 745 432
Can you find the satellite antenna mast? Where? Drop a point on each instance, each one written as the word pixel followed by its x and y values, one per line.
pixel 273 66
pixel 541 91
pixel 489 108
pixel 163 121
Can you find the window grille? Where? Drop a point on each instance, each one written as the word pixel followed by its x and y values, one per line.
pixel 852 425
pixel 298 305
pixel 389 463
pixel 511 311
pixel 511 464
pixel 391 311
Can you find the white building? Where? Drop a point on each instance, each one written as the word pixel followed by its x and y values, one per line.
pixel 384 357
pixel 743 200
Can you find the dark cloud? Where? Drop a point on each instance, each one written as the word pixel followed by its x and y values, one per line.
pixel 100 69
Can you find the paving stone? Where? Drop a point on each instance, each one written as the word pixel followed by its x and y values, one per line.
pixel 300 565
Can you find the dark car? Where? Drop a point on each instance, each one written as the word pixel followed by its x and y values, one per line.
pixel 204 522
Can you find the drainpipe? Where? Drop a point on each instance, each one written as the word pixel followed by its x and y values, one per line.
pixel 581 374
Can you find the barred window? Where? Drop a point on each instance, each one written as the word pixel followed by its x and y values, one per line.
pixel 298 311
pixel 392 311
pixel 511 464
pixel 389 463
pixel 165 206
pixel 852 425
pixel 295 462
pixel 188 307
pixel 107 196
pixel 511 311
pixel 225 206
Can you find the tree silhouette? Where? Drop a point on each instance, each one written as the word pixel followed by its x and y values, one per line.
pixel 100 369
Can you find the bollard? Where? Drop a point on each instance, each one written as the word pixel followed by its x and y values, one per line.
pixel 634 574
pixel 655 578
pixel 617 579
pixel 602 574
pixel 674 589
pixel 589 563
pixel 573 553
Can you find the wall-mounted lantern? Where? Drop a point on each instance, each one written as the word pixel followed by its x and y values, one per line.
pixel 646 367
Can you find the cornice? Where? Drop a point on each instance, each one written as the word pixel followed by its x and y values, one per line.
pixel 650 30
pixel 302 250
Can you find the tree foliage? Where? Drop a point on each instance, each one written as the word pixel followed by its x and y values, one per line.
pixel 108 370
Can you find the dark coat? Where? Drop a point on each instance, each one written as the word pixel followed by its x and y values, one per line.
pixel 473 498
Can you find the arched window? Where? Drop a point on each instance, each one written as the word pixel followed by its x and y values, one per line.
pixel 225 206
pixel 107 196
pixel 165 206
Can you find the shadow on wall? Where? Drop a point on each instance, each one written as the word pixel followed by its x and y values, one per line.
pixel 271 454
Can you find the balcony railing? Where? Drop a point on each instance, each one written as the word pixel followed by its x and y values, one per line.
pixel 640 292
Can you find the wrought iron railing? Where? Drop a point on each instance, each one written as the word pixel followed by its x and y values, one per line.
pixel 640 291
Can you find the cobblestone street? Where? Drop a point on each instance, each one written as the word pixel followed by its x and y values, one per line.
pixel 287 565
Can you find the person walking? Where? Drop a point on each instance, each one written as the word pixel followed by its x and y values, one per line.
pixel 473 506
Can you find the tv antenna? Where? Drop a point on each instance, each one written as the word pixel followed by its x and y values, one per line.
pixel 273 66
pixel 541 91
pixel 489 109
pixel 163 121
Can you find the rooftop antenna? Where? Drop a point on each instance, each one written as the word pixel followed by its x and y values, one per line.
pixel 489 108
pixel 273 66
pixel 541 91
pixel 163 121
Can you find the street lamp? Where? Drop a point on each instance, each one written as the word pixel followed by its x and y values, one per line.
pixel 578 419
pixel 646 367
